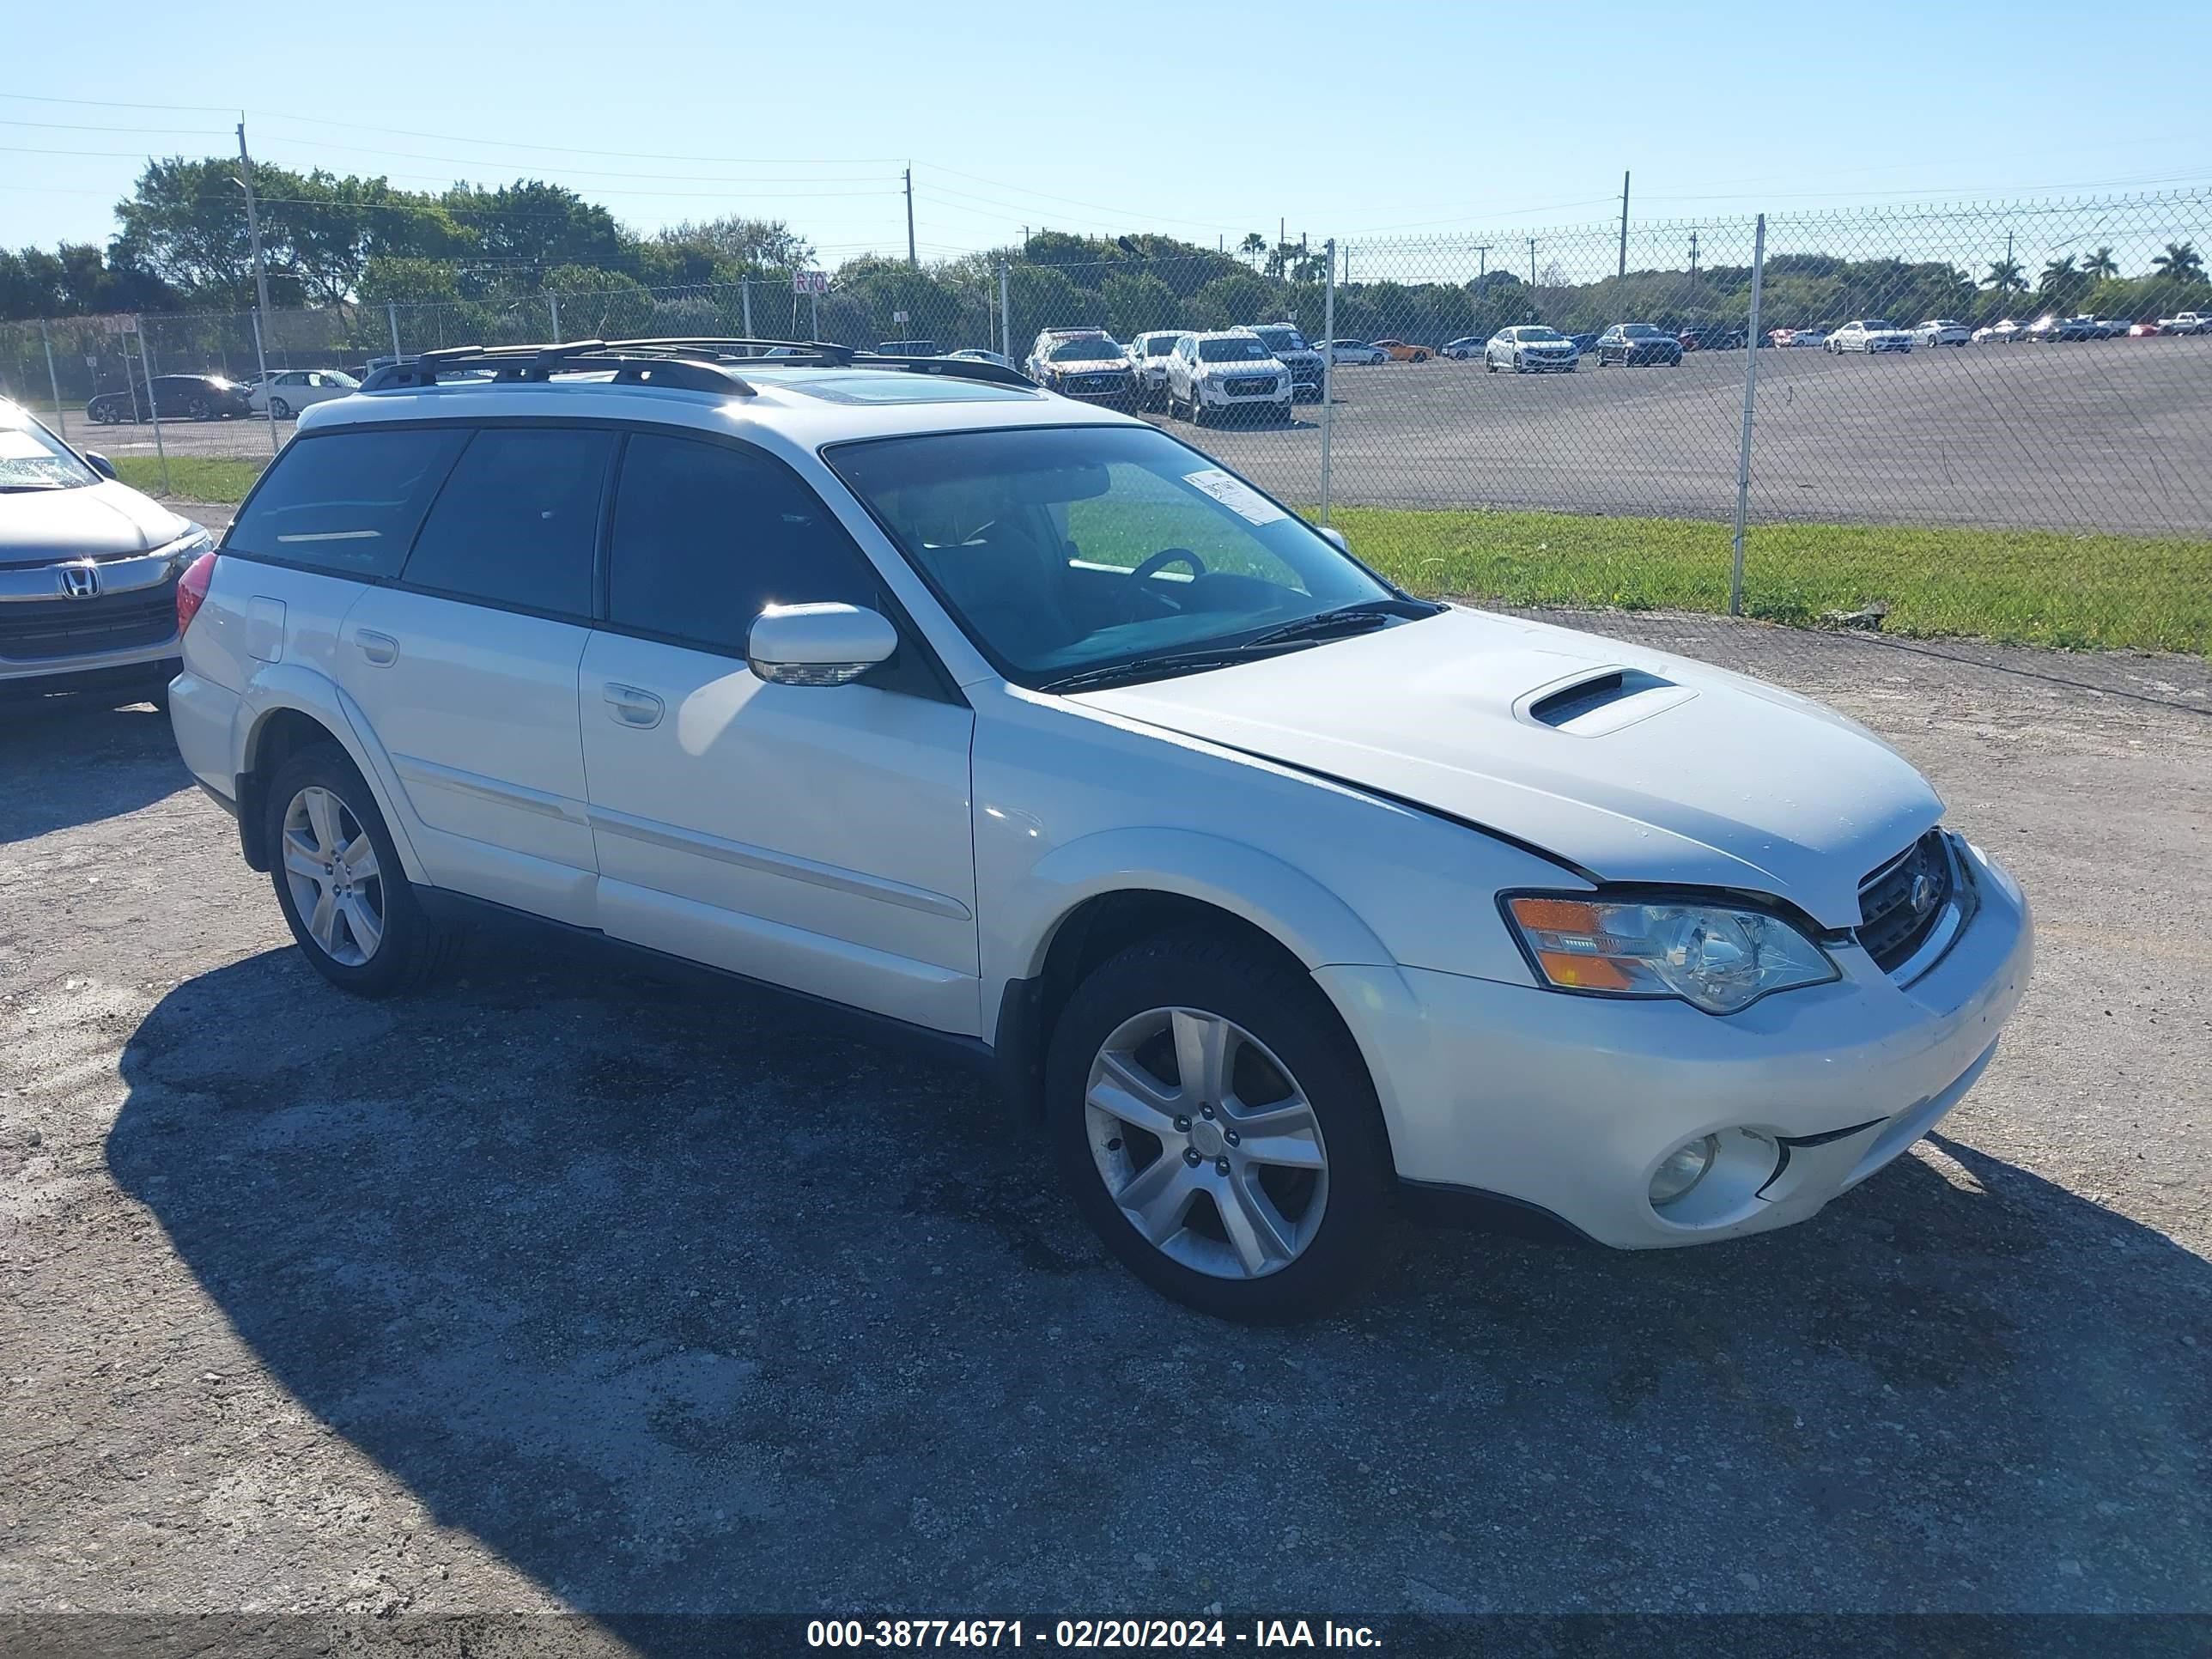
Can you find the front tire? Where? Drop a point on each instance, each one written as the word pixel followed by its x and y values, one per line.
pixel 1216 1125
pixel 339 880
pixel 280 409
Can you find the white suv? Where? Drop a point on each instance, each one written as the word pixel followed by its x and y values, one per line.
pixel 1271 889
pixel 1229 375
pixel 1148 354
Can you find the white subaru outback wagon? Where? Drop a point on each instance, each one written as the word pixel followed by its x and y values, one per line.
pixel 911 687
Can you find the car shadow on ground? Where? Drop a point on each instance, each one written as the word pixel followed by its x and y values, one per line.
pixel 684 1303
pixel 122 756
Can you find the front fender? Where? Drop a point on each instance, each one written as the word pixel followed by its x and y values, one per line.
pixel 1308 920
pixel 276 688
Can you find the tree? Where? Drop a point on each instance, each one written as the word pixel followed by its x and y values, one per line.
pixel 530 226
pixel 1253 246
pixel 2181 263
pixel 1229 301
pixel 2006 277
pixel 733 246
pixel 2100 266
pixel 1137 303
pixel 2061 284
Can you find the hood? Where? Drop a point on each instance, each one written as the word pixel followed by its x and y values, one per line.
pixel 1088 366
pixel 105 520
pixel 1675 773
pixel 1241 366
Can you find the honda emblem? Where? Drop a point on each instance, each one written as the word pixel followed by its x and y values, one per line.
pixel 80 581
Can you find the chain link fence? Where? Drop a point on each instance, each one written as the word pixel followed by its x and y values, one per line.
pixel 1991 421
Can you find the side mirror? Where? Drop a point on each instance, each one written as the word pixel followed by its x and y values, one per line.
pixel 817 644
pixel 100 464
pixel 1334 537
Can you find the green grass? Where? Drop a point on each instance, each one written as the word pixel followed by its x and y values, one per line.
pixel 2042 586
pixel 192 477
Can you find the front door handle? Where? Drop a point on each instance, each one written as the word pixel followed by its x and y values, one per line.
pixel 379 648
pixel 633 706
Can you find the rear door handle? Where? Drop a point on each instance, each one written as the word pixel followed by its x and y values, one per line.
pixel 633 705
pixel 379 648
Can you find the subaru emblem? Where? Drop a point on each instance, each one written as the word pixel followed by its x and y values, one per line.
pixel 80 581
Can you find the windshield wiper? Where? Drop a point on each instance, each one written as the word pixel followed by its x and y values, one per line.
pixel 1158 668
pixel 1345 619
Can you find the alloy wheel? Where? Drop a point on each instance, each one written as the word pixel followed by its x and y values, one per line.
pixel 331 867
pixel 1206 1144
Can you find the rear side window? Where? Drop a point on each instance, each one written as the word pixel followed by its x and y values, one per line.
pixel 348 502
pixel 706 537
pixel 518 520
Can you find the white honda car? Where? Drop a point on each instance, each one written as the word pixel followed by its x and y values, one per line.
pixel 1269 888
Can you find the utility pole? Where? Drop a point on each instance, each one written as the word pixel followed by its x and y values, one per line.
pixel 1693 256
pixel 1623 224
pixel 260 280
pixel 1481 262
pixel 910 259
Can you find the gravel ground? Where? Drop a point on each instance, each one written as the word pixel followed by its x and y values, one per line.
pixel 569 1287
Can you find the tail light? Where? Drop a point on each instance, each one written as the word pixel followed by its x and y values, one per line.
pixel 193 590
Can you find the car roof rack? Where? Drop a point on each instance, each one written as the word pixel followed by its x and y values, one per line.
pixel 699 363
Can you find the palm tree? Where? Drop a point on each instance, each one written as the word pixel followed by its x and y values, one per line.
pixel 2058 273
pixel 1253 246
pixel 2005 277
pixel 2100 265
pixel 2181 263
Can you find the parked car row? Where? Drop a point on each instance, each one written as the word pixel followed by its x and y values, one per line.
pixel 281 392
pixel 1264 368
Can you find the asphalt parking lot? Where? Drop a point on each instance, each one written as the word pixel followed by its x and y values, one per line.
pixel 570 1287
pixel 2112 435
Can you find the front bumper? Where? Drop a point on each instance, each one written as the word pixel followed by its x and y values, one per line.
pixel 1570 1103
pixel 92 669
pixel 1216 396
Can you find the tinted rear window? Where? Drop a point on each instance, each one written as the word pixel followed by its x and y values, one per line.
pixel 347 501
pixel 518 520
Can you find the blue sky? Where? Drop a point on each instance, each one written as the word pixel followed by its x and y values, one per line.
pixel 1405 120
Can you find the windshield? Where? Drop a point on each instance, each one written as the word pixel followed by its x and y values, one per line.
pixel 1159 345
pixel 1537 334
pixel 1642 331
pixel 339 377
pixel 1233 350
pixel 1091 349
pixel 1032 538
pixel 32 458
pixel 1281 339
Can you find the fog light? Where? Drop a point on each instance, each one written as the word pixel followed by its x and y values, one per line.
pixel 1684 1168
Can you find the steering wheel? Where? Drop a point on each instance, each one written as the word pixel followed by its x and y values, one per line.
pixel 1160 562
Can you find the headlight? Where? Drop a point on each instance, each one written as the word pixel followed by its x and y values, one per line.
pixel 1715 957
pixel 189 546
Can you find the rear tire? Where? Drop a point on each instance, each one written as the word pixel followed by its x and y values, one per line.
pixel 1282 1233
pixel 367 930
pixel 280 409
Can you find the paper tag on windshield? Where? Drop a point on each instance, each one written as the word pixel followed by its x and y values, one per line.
pixel 1239 497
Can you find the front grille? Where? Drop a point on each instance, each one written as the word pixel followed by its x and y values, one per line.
pixel 1095 383
pixel 1894 922
pixel 46 629
pixel 1256 386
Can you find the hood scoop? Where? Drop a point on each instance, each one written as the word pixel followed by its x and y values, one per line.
pixel 1593 705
